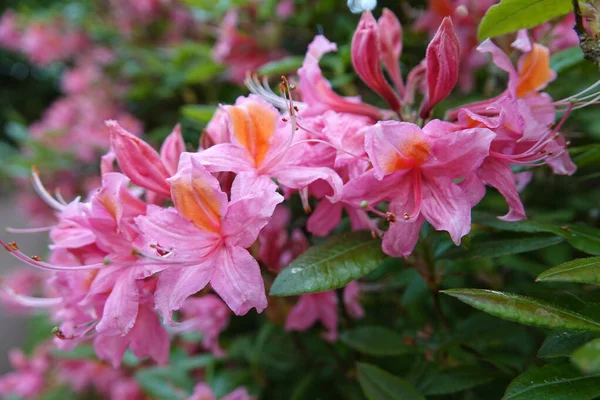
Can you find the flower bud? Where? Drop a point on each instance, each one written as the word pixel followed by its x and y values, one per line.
pixel 390 32
pixel 138 160
pixel 171 149
pixel 366 58
pixel 442 59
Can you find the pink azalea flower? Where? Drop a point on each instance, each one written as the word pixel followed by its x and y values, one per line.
pixel 207 315
pixel 315 307
pixel 203 392
pixel 415 169
pixel 10 36
pixel 28 380
pixel 207 235
pixel 262 144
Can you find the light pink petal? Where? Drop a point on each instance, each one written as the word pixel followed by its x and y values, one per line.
pixel 202 392
pixel 111 348
pixel 328 314
pixel 176 284
pixel 391 46
pixel 225 157
pixel 446 207
pixel 299 177
pixel 304 314
pixel 238 394
pixel 402 236
pixel 121 307
pixel 325 218
pixel 352 300
pixel 252 205
pixel 562 165
pixel 149 337
pixel 474 188
pixel 457 154
pixel 522 42
pixel 367 187
pixel 237 279
pixel 502 61
pixel 499 175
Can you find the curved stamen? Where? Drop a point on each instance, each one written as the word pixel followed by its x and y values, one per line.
pixel 330 145
pixel 39 188
pixel 28 301
pixel 30 230
pixel 37 262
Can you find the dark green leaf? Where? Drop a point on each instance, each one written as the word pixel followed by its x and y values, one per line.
pixel 378 384
pixel 523 309
pixel 331 265
pixel 376 341
pixel 512 15
pixel 587 357
pixel 583 270
pixel 501 247
pixel 563 343
pixel 556 382
pixel 456 380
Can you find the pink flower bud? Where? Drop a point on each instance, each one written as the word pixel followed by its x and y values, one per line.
pixel 171 149
pixel 138 160
pixel 390 32
pixel 366 58
pixel 443 58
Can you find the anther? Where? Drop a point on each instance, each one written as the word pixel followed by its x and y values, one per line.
pixel 550 153
pixel 284 119
pixel 543 151
pixel 406 216
pixel 12 246
pixel 567 143
pixel 364 204
pixel 391 217
pixel 292 86
pixel 36 258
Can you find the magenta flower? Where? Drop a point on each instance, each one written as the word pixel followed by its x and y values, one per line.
pixel 206 236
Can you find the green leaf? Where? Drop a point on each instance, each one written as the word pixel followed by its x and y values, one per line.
pixel 563 343
pixel 198 113
pixel 283 66
pixel 552 381
pixel 584 238
pixel 587 357
pixel 203 72
pixel 582 270
pixel 500 247
pixel 512 15
pixel 378 384
pixel 456 380
pixel 376 341
pixel 523 309
pixel 566 59
pixel 330 265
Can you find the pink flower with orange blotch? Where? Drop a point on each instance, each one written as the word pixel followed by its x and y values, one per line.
pixel 206 236
pixel 261 143
pixel 415 170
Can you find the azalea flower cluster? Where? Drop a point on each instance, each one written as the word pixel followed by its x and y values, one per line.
pixel 138 260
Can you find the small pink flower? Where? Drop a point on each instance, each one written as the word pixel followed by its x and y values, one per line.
pixel 207 315
pixel 28 381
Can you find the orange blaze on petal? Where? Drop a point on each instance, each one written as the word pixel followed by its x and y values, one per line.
pixel 197 201
pixel 253 126
pixel 534 71
pixel 412 152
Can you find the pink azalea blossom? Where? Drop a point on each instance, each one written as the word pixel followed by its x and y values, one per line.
pixel 207 315
pixel 206 236
pixel 415 169
pixel 10 36
pixel 28 380
pixel 323 307
pixel 203 392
